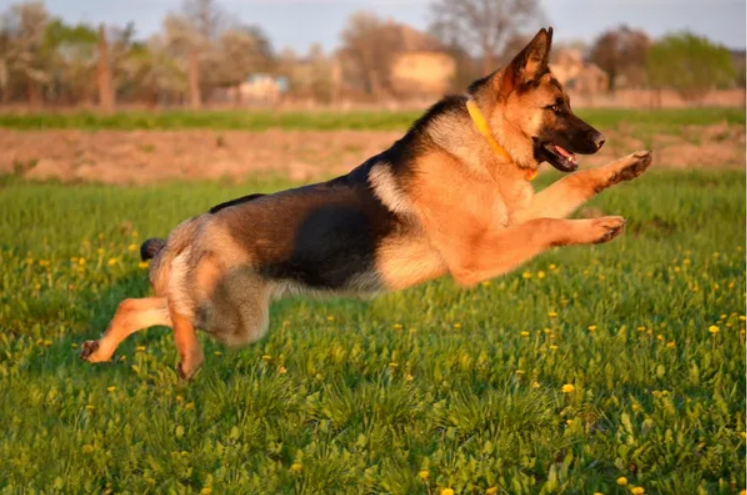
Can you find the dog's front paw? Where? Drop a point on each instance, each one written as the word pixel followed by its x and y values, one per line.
pixel 632 166
pixel 605 229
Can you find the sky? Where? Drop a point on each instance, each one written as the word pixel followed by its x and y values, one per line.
pixel 299 23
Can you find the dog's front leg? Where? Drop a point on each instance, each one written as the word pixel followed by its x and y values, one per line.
pixel 563 197
pixel 498 252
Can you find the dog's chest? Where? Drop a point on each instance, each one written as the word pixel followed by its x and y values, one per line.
pixel 506 200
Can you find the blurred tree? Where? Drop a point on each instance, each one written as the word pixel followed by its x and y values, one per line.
pixel 484 25
pixel 72 58
pixel 23 55
pixel 240 51
pixel 106 92
pixel 689 64
pixel 621 53
pixel 369 47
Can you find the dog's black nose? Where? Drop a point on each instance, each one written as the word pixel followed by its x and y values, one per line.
pixel 599 140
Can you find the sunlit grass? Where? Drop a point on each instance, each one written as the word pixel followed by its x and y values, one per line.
pixel 659 120
pixel 592 369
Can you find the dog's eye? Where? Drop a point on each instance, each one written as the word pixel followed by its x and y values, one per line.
pixel 556 108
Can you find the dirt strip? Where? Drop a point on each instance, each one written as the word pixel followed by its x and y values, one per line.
pixel 143 157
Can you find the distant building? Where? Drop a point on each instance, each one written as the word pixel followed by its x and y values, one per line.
pixel 577 75
pixel 423 67
pixel 422 73
pixel 260 88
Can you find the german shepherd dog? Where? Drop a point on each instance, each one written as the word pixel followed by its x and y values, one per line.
pixel 451 196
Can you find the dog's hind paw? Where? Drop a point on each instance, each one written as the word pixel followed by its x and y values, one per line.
pixel 88 348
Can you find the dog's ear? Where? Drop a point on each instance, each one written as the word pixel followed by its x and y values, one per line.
pixel 530 63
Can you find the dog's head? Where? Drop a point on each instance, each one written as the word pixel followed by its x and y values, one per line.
pixel 531 113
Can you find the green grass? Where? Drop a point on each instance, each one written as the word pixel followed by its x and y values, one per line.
pixel 430 388
pixel 383 120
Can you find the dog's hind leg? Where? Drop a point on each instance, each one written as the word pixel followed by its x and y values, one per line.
pixel 239 310
pixel 189 348
pixel 132 315
pixel 563 197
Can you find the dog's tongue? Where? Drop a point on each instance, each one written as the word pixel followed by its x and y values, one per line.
pixel 566 154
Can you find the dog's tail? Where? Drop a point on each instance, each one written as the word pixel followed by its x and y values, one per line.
pixel 151 247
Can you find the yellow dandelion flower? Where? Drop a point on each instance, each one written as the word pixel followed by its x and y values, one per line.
pixel 637 490
pixel 74 345
pixel 82 261
pixel 111 389
pixel 423 475
pixel 553 347
pixel 592 328
pixel 37 286
pixel 535 385
pixel 397 326
pixel 88 449
pixel 568 388
pixel 132 247
pixel 409 377
pixel 217 354
pixel 636 407
pixel 743 435
pixel 282 370
pixel 671 344
pixel 112 261
pixel 330 318
pixel 486 283
pixel 100 250
pixel 569 422
pixel 179 399
pixel 742 318
pixel 493 490
pixel 743 492
pixel 140 348
pixel 89 407
pixel 47 343
pixel 447 491
pixel 206 491
pixel 552 314
pixel 541 274
pixel 393 364
pixel 552 266
pixel 526 275
pixel 143 264
pixel 296 467
pixel 189 405
pixel 267 358
pixel 622 481
pixel 525 334
pixel 457 325
pixel 519 372
pixel 598 493
pixel 660 337
pixel 713 329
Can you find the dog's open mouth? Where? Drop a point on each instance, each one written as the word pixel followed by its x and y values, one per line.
pixel 559 157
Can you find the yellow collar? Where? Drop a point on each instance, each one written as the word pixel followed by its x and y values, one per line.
pixel 482 125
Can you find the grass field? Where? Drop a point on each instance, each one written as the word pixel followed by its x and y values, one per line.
pixel 608 369
pixel 660 120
